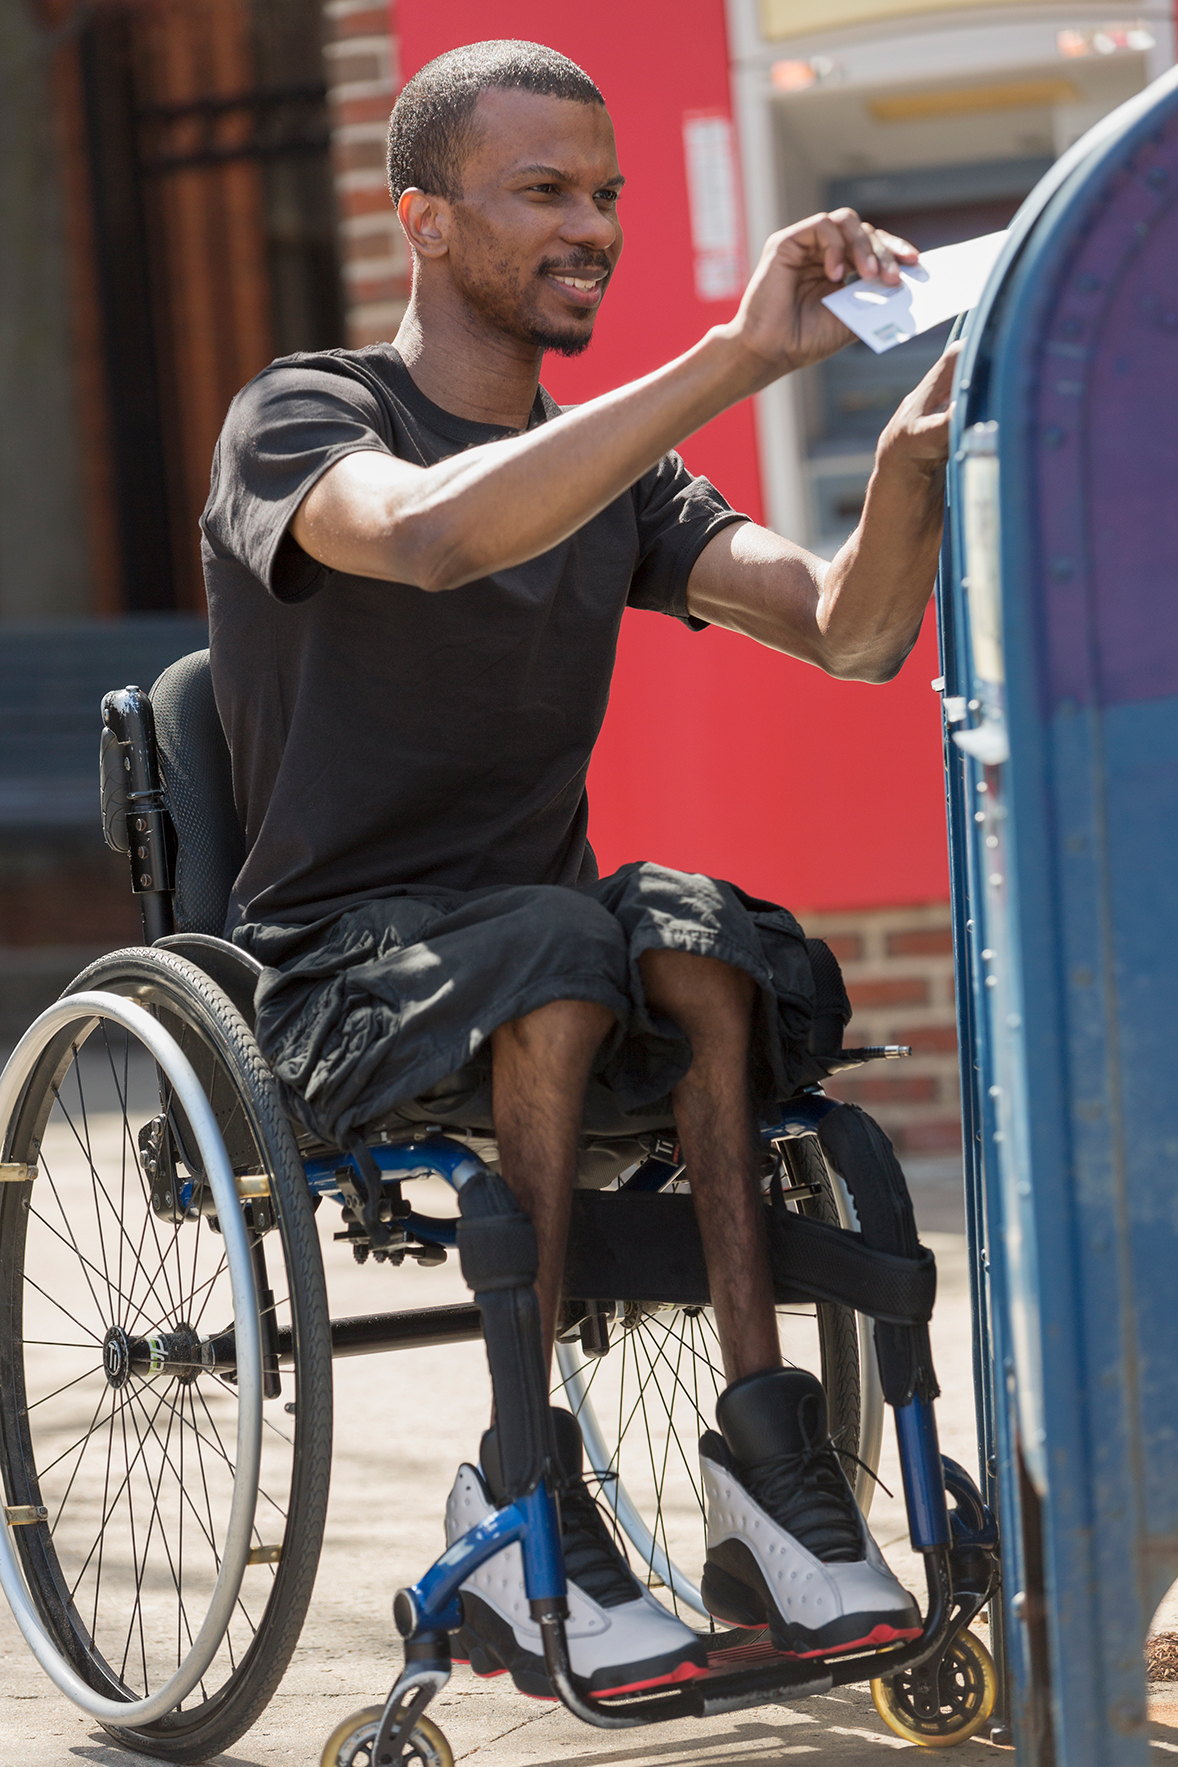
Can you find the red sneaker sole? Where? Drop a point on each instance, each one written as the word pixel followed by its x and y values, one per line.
pixel 684 1672
pixel 878 1635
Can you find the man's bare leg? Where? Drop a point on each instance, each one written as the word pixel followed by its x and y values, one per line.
pixel 540 1067
pixel 783 1497
pixel 712 1004
pixel 540 1064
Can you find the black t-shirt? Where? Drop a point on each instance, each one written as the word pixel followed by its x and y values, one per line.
pixel 383 736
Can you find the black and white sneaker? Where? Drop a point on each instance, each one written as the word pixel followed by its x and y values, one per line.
pixel 620 1638
pixel 787 1543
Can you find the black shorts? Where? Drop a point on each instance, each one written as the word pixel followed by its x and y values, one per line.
pixel 385 1010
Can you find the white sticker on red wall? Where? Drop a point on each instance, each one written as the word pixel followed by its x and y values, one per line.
pixel 713 188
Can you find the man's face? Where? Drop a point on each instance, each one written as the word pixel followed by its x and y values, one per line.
pixel 534 238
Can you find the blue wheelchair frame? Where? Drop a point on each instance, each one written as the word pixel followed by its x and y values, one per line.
pixel 953 1545
pixel 959 1548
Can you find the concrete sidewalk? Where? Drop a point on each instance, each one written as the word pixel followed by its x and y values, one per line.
pixel 403 1422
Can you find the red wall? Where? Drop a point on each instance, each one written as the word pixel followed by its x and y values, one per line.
pixel 716 755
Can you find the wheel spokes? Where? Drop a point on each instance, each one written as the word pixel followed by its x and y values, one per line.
pixel 131 1441
pixel 658 1386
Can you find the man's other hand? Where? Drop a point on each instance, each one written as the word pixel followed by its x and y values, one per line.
pixel 918 432
pixel 781 318
pixel 859 616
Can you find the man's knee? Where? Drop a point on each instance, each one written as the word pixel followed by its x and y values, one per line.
pixel 556 1032
pixel 704 991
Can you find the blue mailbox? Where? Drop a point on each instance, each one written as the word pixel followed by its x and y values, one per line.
pixel 1059 626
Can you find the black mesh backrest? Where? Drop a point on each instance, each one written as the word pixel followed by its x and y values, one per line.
pixel 198 787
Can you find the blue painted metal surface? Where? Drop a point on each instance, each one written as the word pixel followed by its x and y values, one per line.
pixel 973 1522
pixel 532 1522
pixel 433 1156
pixel 1060 650
pixel 437 1156
pixel 924 1479
pixel 801 1116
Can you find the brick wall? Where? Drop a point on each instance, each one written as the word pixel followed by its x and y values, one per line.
pixel 362 78
pixel 898 967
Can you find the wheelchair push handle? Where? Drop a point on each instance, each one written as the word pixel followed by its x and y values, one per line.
pixel 135 819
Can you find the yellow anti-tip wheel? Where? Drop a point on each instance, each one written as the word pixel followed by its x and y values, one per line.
pixel 350 1743
pixel 964 1699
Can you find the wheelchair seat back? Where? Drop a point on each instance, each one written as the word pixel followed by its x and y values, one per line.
pixel 198 789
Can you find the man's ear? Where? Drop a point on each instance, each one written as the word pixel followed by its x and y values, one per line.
pixel 426 222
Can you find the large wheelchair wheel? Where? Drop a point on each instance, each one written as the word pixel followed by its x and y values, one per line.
pixel 644 1404
pixel 168 1561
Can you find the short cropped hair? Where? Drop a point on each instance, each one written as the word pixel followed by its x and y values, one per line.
pixel 432 128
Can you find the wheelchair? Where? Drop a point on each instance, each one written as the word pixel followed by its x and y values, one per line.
pixel 166 1345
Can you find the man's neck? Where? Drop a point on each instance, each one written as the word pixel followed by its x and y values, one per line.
pixel 467 368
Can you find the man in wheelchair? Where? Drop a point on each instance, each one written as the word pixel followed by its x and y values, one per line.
pixel 417 565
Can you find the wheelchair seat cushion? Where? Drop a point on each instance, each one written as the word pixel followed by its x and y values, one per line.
pixel 387 1002
pixel 198 789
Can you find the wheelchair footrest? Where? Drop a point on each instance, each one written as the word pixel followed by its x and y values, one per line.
pixel 736 1690
pixel 744 1670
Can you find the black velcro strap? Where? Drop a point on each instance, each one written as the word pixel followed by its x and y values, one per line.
pixel 830 1264
pixel 497 1252
pixel 633 1245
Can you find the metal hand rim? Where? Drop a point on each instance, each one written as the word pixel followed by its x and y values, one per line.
pixel 79 1008
pixel 613 1492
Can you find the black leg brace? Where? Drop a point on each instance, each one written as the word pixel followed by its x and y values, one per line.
pixel 497 1250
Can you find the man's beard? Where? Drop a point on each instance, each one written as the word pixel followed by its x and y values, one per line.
pixel 561 343
pixel 519 318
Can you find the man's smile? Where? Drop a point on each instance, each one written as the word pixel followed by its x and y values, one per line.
pixel 583 286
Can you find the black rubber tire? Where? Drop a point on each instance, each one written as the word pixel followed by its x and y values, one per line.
pixel 217 1042
pixel 838 1326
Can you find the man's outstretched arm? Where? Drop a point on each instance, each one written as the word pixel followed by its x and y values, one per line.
pixel 505 502
pixel 858 616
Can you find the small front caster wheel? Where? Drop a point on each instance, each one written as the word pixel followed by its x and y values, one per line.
pixel 935 1716
pixel 350 1743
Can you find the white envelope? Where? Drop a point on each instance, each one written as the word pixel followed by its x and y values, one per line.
pixel 948 280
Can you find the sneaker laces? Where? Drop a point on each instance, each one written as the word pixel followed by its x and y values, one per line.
pixel 846 1454
pixel 807 1494
pixel 592 1557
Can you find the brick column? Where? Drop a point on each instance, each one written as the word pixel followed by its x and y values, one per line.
pixel 898 967
pixel 360 56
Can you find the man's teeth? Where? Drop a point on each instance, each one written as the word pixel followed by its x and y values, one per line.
pixel 575 282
